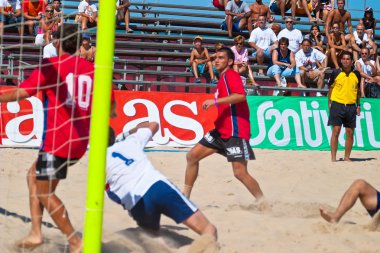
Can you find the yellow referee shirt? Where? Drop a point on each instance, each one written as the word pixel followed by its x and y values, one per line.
pixel 344 87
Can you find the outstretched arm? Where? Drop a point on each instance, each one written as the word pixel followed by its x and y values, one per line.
pixel 234 98
pixel 14 95
pixel 153 126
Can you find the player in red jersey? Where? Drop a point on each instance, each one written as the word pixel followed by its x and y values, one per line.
pixel 231 135
pixel 66 83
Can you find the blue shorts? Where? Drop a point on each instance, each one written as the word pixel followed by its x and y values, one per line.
pixel 373 212
pixel 275 8
pixel 266 53
pixel 200 68
pixel 162 198
pixel 235 26
pixel 8 20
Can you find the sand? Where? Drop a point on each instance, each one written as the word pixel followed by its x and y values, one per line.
pixel 295 183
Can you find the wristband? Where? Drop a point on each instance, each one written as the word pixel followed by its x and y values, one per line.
pixel 216 104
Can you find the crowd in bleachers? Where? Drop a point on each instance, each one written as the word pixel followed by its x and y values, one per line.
pixel 304 60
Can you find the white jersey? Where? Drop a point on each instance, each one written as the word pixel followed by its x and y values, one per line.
pixel 294 36
pixel 367 69
pixel 310 58
pixel 263 38
pixel 86 8
pixel 130 174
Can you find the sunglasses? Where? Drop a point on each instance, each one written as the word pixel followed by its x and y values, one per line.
pixel 238 43
pixel 289 22
pixel 364 53
pixel 49 11
pixel 335 27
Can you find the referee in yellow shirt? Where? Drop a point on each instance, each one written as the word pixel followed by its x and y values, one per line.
pixel 344 104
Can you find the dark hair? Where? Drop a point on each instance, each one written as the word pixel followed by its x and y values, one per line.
pixel 315 26
pixel 307 41
pixel 366 48
pixel 283 40
pixel 69 37
pixel 111 136
pixel 229 53
pixel 347 53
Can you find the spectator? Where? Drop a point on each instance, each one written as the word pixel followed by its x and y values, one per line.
pixel 237 15
pixel 293 35
pixel 48 25
pixel 279 7
pixel 32 13
pixel 10 13
pixel 220 4
pixel 263 41
pixel 57 10
pixel 241 63
pixel 337 44
pixel 340 16
pixel 360 189
pixel 307 59
pixel 123 13
pixel 200 61
pixel 87 14
pixel 305 7
pixel 326 7
pixel 318 41
pixel 284 65
pixel 366 68
pixel 86 50
pixel 369 22
pixel 257 9
pixel 50 50
pixel 360 40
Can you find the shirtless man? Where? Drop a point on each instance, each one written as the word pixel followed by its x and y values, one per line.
pixel 200 61
pixel 279 7
pixel 340 16
pixel 86 51
pixel 257 9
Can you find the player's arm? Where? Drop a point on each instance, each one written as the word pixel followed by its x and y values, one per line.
pixel 14 95
pixel 234 98
pixel 153 127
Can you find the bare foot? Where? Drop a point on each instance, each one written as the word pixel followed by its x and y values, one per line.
pixel 328 216
pixel 347 160
pixel 375 222
pixel 76 245
pixel 263 205
pixel 30 242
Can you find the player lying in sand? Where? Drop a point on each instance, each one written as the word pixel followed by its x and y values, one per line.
pixel 134 183
pixel 368 195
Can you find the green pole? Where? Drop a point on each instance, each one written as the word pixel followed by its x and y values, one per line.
pixel 101 106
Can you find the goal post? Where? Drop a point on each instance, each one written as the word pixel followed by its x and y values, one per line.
pixel 101 106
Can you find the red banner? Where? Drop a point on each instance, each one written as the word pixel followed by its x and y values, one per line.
pixel 182 120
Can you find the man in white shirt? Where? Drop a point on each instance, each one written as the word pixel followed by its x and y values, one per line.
pixel 367 70
pixel 361 40
pixel 10 13
pixel 293 35
pixel 87 14
pixel 308 60
pixel 134 183
pixel 263 40
pixel 237 15
pixel 50 49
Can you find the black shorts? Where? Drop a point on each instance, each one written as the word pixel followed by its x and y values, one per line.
pixel 234 148
pixel 341 114
pixel 50 167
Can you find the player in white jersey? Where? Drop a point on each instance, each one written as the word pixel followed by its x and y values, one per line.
pixel 133 182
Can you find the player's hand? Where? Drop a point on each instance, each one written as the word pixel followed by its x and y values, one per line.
pixel 207 104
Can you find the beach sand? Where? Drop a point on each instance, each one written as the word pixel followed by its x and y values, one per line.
pixel 295 183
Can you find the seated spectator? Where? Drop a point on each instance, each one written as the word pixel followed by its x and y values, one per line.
pixel 318 41
pixel 263 41
pixel 378 64
pixel 367 69
pixel 220 4
pixel 307 60
pixel 50 50
pixel 241 63
pixel 86 50
pixel 369 22
pixel 237 15
pixel 279 7
pixel 292 34
pixel 123 13
pixel 32 11
pixel 200 61
pixel 87 14
pixel 305 7
pixel 337 44
pixel 257 9
pixel 361 40
pixel 326 7
pixel 48 25
pixel 341 17
pixel 57 10
pixel 284 65
pixel 10 13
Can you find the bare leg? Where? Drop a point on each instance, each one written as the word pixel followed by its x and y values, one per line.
pixel 57 211
pixel 348 144
pixel 298 81
pixel 334 142
pixel 197 153
pixel 195 69
pixel 260 60
pixel 250 75
pixel 126 20
pixel 199 224
pixel 34 238
pixel 321 81
pixel 333 57
pixel 229 25
pixel 305 7
pixel 241 173
pixel 359 189
pixel 282 8
pixel 210 70
pixel 1 28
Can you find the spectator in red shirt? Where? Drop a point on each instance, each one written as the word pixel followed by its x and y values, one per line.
pixel 33 11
